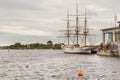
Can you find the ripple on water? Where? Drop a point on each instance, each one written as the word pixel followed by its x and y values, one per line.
pixel 55 65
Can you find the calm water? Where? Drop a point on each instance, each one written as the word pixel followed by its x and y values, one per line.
pixel 55 65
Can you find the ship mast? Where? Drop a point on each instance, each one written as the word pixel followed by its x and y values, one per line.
pixel 77 26
pixel 68 30
pixel 85 28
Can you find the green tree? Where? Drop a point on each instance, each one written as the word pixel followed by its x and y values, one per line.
pixel 18 45
pixel 57 46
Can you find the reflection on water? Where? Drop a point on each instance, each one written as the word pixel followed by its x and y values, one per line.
pixel 55 65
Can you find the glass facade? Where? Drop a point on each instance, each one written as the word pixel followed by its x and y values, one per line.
pixel 110 37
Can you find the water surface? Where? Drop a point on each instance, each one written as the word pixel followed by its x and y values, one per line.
pixel 55 65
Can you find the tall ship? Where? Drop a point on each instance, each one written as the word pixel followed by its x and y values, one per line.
pixel 77 34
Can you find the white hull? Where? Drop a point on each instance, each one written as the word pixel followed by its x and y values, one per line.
pixel 76 50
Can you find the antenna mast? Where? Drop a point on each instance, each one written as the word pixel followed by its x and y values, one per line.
pixel 115 19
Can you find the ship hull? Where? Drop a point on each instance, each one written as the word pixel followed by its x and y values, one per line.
pixel 75 50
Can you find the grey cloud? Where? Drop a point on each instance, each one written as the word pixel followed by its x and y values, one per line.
pixel 45 15
pixel 9 38
pixel 18 4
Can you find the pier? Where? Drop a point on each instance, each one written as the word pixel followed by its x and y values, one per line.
pixel 111 41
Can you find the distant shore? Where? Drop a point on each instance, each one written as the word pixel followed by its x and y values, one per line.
pixel 32 46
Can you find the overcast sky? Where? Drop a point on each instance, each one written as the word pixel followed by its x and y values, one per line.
pixel 30 21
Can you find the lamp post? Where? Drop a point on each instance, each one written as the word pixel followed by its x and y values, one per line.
pixel 118 23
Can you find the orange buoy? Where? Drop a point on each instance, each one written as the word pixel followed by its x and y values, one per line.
pixel 80 73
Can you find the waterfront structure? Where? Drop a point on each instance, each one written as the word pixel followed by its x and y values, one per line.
pixel 111 41
pixel 111 34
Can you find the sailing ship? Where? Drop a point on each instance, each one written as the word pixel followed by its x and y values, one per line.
pixel 76 47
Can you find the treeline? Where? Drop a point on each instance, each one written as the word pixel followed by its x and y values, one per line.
pixel 33 46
